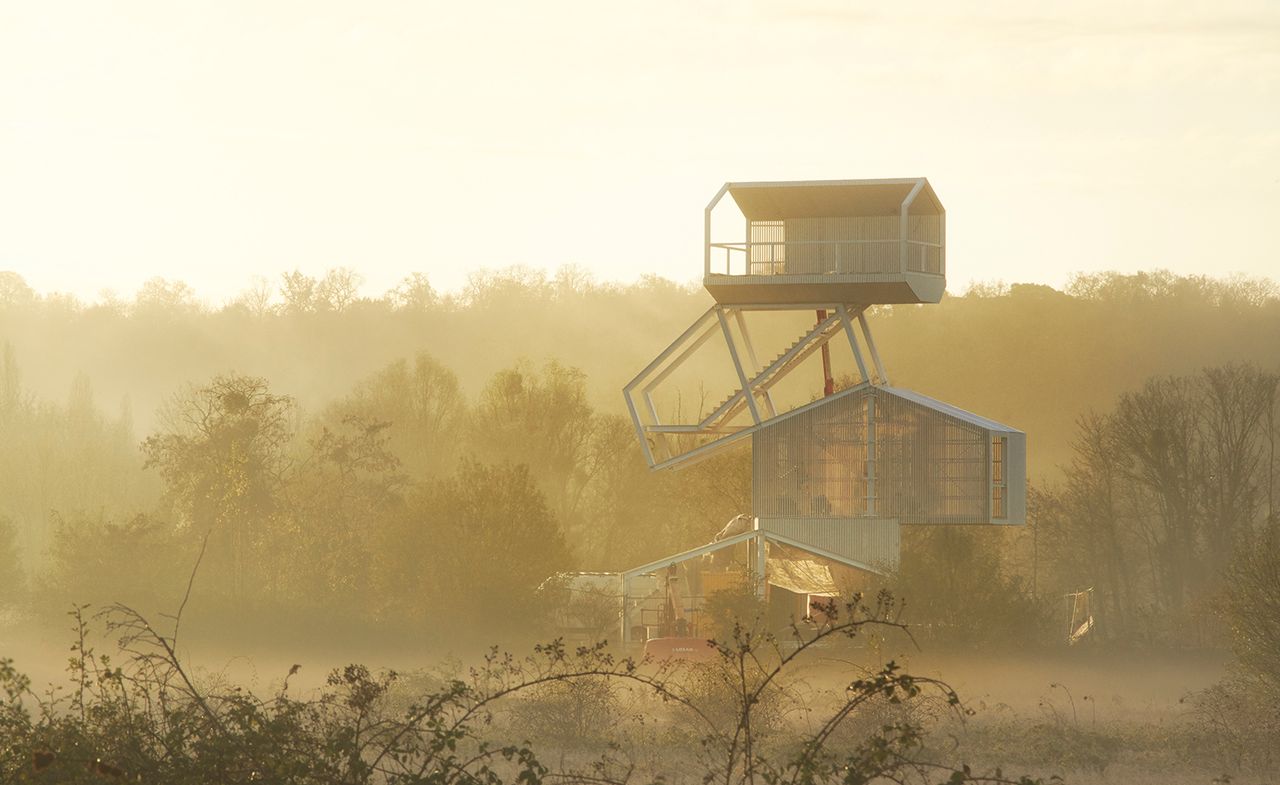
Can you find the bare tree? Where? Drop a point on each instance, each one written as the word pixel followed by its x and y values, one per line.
pixel 1253 603
pixel 1238 400
pixel 298 291
pixel 257 298
pixel 338 289
pixel 223 455
pixel 413 293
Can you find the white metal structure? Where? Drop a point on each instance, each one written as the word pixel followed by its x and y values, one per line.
pixel 835 474
pixel 667 442
pixel 851 241
pixel 757 540
pixel 1079 615
pixel 876 452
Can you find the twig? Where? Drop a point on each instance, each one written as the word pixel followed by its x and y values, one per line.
pixel 177 620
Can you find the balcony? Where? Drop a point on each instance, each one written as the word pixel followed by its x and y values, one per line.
pixel 857 242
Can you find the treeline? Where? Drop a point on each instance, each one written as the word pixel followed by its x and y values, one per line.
pixel 315 336
pixel 1028 355
pixel 1162 514
pixel 1165 495
pixel 58 458
pixel 430 458
pixel 400 504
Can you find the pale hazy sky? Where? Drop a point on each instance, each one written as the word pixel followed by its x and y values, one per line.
pixel 215 141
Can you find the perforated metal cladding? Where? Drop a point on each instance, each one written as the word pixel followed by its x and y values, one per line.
pixel 873 542
pixel 872 453
pixel 768 248
pixel 813 464
pixel 844 245
pixel 924 255
pixel 931 468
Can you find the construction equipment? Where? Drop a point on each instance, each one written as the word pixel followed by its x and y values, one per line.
pixel 677 634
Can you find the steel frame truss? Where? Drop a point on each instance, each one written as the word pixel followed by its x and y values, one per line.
pixel 757 537
pixel 659 439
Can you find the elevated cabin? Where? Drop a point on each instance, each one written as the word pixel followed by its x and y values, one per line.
pixel 857 242
pixel 842 473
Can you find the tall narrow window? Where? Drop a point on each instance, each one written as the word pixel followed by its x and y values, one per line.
pixel 768 248
pixel 999 491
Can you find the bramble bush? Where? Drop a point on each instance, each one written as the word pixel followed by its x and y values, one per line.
pixel 139 715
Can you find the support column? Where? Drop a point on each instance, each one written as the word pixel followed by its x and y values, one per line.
pixel 751 355
pixel 760 575
pixel 871 454
pixel 853 342
pixel 871 344
pixel 737 364
pixel 625 632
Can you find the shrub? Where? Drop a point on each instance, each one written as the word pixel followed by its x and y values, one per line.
pixel 148 720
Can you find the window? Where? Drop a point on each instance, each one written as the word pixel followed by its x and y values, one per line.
pixel 999 491
pixel 768 249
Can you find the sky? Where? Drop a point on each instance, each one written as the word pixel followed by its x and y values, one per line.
pixel 212 142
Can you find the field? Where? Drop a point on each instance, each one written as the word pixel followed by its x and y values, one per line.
pixel 1085 714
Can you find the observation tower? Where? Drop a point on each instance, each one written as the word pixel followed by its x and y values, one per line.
pixel 785 358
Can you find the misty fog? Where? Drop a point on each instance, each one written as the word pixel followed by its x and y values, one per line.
pixel 313 476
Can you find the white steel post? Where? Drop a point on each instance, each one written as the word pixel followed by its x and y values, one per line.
pixel 902 224
pixel 853 342
pixel 942 239
pixel 706 229
pixel 625 632
pixel 761 581
pixel 671 367
pixel 640 430
pixel 751 355
pixel 871 344
pixel 737 364
pixel 871 454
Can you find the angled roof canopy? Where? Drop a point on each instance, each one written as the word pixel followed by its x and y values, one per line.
pixel 832 198
pixel 948 409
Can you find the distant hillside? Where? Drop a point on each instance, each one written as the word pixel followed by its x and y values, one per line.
pixel 1025 354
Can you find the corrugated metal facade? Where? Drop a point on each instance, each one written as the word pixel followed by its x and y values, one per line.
pixel 872 453
pixel 813 464
pixel 930 467
pixel 875 542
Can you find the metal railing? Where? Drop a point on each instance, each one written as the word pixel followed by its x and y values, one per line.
pixel 827 257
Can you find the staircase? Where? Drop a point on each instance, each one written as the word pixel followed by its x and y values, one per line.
pixel 774 370
pixel 686 441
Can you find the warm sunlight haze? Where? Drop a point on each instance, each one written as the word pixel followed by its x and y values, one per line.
pixel 590 393
pixel 212 142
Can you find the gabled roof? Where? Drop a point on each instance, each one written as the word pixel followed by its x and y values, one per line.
pixel 907 395
pixel 948 409
pixel 832 198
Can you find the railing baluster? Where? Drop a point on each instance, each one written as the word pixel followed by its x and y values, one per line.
pixel 841 257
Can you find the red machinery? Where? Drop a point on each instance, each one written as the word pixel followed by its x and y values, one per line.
pixel 677 637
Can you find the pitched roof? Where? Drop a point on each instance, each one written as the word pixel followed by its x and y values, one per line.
pixel 831 198
pixel 907 395
pixel 948 409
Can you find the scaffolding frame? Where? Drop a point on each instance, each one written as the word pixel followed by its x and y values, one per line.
pixel 755 381
pixel 757 538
